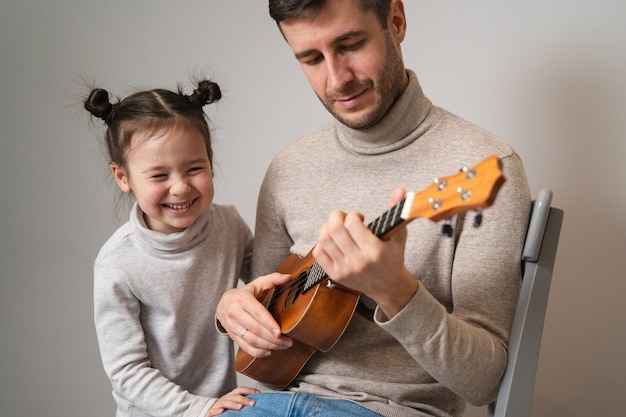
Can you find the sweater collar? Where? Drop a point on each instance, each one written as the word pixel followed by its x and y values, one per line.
pixel 169 243
pixel 401 125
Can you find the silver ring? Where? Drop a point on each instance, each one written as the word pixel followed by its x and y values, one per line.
pixel 244 333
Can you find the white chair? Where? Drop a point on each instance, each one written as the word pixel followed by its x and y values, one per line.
pixel 516 390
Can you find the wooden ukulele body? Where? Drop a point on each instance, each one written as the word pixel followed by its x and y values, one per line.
pixel 315 320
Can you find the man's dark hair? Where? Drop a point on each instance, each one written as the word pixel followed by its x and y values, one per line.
pixel 281 10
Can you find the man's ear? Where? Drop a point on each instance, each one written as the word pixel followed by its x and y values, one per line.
pixel 397 19
pixel 120 176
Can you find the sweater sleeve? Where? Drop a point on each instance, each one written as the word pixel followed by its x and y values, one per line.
pixel 464 347
pixel 272 240
pixel 136 384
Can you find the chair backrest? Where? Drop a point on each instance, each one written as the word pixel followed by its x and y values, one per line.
pixel 517 386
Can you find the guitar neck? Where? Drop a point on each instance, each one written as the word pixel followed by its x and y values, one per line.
pixel 471 189
pixel 383 226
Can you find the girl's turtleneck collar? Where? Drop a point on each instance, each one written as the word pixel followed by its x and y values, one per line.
pixel 398 128
pixel 173 242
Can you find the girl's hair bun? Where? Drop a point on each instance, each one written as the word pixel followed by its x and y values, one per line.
pixel 206 93
pixel 98 104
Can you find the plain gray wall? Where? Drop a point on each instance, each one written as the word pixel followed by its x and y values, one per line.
pixel 547 76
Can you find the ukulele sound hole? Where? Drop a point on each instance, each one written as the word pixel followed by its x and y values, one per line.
pixel 295 289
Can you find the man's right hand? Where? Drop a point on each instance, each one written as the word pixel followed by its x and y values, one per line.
pixel 246 319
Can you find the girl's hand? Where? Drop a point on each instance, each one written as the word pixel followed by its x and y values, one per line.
pixel 234 400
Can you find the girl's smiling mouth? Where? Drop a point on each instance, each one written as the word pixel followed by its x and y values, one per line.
pixel 179 206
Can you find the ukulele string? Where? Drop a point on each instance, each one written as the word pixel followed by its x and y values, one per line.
pixel 299 283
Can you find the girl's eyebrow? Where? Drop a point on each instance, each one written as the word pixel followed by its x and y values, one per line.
pixel 153 169
pixel 198 161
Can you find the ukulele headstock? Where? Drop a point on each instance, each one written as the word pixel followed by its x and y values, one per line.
pixel 472 188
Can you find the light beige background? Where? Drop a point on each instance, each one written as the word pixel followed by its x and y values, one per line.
pixel 548 76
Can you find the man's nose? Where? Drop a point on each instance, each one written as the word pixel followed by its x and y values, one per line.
pixel 338 73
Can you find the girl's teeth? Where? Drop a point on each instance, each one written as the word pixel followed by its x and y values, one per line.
pixel 179 207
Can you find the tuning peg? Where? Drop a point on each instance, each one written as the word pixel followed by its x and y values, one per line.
pixel 478 218
pixel 446 229
pixel 469 172
pixel 441 184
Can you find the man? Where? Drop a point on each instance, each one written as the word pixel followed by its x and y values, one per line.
pixel 432 325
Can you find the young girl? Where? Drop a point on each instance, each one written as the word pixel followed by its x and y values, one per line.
pixel 157 280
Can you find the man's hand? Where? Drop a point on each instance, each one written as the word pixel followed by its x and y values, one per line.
pixel 246 319
pixel 354 257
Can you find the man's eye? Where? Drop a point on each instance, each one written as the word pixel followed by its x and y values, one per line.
pixel 353 46
pixel 315 60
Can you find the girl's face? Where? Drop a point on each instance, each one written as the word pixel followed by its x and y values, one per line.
pixel 170 175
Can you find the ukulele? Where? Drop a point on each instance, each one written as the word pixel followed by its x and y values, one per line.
pixel 314 311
